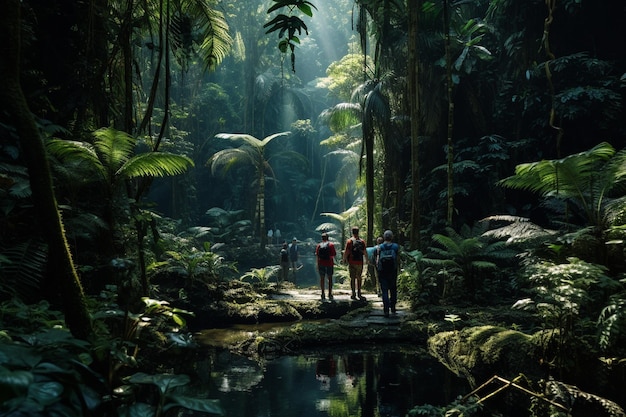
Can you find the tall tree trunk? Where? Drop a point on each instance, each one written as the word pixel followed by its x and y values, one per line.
pixel 450 87
pixel 368 137
pixel 127 53
pixel 414 8
pixel 261 199
pixel 61 271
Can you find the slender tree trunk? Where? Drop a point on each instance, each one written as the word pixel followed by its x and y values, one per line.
pixel 126 45
pixel 62 272
pixel 261 200
pixel 369 185
pixel 450 87
pixel 414 8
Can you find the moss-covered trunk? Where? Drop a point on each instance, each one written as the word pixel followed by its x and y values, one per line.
pixel 62 273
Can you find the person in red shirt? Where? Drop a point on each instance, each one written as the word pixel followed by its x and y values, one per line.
pixel 354 256
pixel 325 252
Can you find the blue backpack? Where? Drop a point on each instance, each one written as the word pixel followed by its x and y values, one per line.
pixel 387 261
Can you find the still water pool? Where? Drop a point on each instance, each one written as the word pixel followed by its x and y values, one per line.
pixel 382 381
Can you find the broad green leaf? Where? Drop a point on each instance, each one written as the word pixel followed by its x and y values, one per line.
pixel 45 393
pixel 196 404
pixel 164 381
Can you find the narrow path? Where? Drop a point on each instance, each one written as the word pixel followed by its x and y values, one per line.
pixel 342 295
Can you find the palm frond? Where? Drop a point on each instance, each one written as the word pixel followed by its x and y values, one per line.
pixel 227 158
pixel 518 230
pixel 81 155
pixel 214 32
pixel 155 164
pixel 564 176
pixel 269 138
pixel 249 139
pixel 342 116
pixel 335 216
pixel 114 147
pixel 323 227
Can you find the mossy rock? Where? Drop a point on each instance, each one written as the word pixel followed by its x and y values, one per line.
pixel 478 353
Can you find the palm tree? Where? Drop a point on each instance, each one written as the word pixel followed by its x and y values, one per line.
pixel 110 161
pixel 251 151
pixel 369 109
pixel 344 218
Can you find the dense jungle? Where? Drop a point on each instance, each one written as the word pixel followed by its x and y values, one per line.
pixel 156 154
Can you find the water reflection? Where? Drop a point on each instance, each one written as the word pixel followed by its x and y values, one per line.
pixel 355 383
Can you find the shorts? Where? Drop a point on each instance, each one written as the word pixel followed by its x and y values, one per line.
pixel 325 270
pixel 355 270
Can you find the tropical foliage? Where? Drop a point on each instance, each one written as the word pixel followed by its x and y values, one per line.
pixel 418 116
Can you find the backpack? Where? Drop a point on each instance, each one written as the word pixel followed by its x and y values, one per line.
pixel 323 252
pixel 284 255
pixel 386 258
pixel 293 252
pixel 357 249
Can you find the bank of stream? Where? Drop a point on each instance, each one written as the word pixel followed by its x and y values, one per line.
pixel 268 347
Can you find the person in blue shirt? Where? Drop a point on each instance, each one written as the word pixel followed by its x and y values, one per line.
pixel 387 266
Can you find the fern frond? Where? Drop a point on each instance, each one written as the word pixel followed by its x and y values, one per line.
pixel 79 155
pixel 22 270
pixel 155 164
pixel 448 243
pixel 214 31
pixel 114 148
pixel 520 230
pixel 567 176
pixel 612 322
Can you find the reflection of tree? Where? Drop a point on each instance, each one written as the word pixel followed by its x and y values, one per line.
pixel 241 375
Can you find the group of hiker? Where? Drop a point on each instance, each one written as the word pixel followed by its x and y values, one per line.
pixel 384 257
pixel 355 255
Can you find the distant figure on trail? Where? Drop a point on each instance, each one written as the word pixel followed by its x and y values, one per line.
pixel 372 259
pixel 284 263
pixel 293 257
pixel 353 255
pixel 325 252
pixel 387 266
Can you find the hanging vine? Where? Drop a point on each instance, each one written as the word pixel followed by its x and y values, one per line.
pixel 551 5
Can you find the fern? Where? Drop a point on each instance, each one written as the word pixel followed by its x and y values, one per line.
pixel 23 269
pixel 612 322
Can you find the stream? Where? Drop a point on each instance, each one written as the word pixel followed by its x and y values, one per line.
pixel 385 380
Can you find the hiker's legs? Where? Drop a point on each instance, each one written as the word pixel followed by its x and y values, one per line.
pixel 330 286
pixel 384 287
pixel 285 272
pixel 393 292
pixel 355 271
pixel 322 272
pixel 294 269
